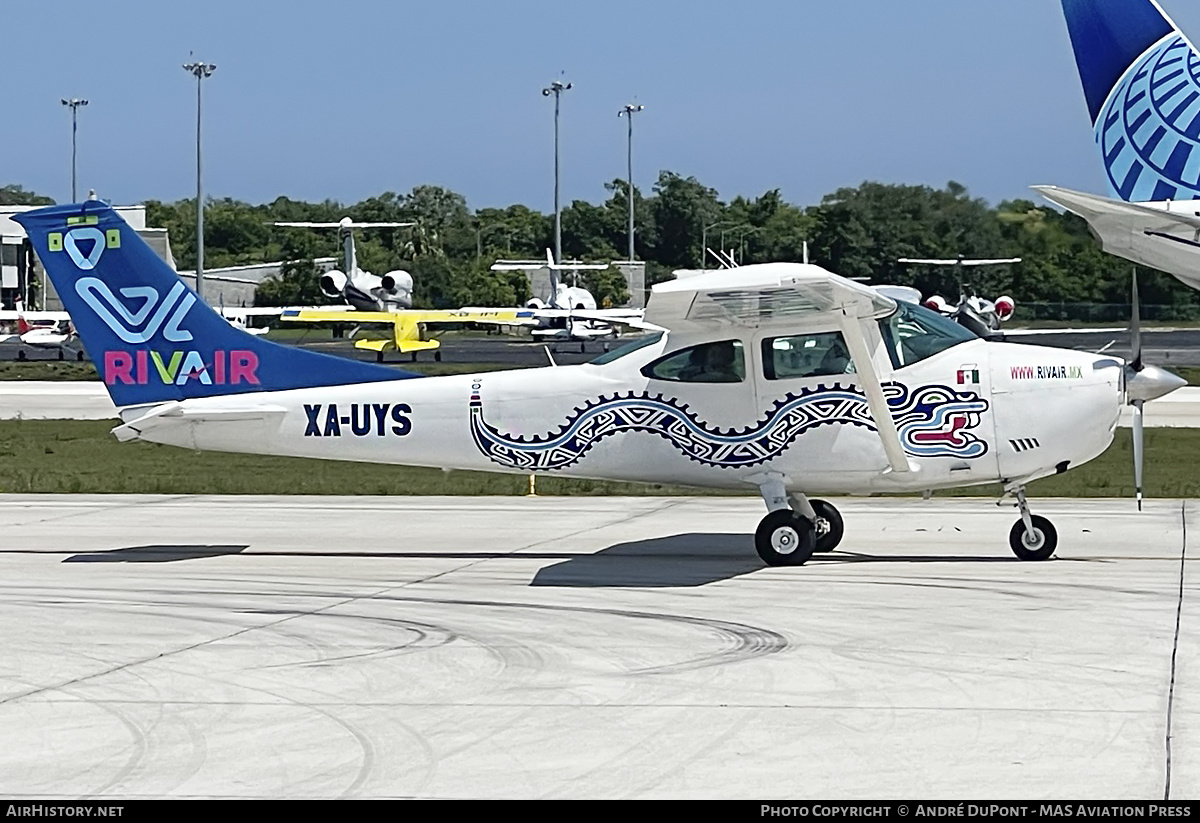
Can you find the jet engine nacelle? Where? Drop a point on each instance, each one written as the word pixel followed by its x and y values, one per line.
pixel 535 303
pixel 1005 306
pixel 937 303
pixel 397 280
pixel 333 283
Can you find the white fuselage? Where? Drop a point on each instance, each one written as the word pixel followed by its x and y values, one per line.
pixel 978 412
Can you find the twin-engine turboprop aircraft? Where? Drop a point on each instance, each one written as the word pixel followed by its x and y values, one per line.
pixel 779 377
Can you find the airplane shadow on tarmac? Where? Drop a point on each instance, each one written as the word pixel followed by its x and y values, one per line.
pixel 700 559
pixel 155 554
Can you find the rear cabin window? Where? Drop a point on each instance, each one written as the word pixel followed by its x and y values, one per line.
pixel 806 355
pixel 720 362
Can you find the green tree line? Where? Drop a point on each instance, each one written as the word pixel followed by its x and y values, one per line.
pixel 856 232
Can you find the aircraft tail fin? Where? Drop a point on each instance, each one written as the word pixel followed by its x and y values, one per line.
pixel 1143 98
pixel 153 339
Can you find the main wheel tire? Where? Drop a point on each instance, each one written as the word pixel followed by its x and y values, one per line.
pixel 79 356
pixel 437 357
pixel 21 355
pixel 1038 545
pixel 829 541
pixel 785 539
pixel 61 356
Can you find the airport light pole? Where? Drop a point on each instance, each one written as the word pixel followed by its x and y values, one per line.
pixel 200 70
pixel 556 88
pixel 74 104
pixel 627 111
pixel 704 241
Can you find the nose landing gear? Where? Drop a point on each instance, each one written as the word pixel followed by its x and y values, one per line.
pixel 1033 537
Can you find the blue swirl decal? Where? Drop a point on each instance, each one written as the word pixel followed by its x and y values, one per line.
pixel 1149 127
pixel 933 421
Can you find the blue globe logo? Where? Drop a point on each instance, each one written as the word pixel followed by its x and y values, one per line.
pixel 1149 128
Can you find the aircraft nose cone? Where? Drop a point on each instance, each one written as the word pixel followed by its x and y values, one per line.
pixel 1150 383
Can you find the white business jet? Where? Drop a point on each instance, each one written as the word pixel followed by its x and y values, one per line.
pixel 1144 101
pixel 781 378
pixel 361 289
pixel 980 315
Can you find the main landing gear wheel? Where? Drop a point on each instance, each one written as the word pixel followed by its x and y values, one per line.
pixel 61 356
pixel 21 355
pixel 829 535
pixel 79 356
pixel 1038 544
pixel 784 538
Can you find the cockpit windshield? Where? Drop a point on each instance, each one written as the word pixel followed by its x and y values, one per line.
pixel 913 333
pixel 628 348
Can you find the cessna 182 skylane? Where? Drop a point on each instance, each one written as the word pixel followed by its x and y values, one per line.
pixel 780 377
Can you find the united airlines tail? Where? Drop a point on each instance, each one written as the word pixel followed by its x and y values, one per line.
pixel 152 338
pixel 1140 79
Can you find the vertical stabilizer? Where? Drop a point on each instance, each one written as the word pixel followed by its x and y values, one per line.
pixel 152 338
pixel 1141 80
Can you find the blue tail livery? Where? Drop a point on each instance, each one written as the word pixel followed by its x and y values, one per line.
pixel 152 338
pixel 1141 79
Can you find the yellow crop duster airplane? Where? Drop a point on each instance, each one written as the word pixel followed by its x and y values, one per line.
pixel 780 378
pixel 409 335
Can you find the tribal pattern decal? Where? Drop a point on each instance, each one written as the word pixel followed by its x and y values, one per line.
pixel 933 421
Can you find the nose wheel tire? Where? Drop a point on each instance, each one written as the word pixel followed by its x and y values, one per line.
pixel 1036 545
pixel 834 530
pixel 785 539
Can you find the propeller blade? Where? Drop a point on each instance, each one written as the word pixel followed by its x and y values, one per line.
pixel 1139 451
pixel 1135 329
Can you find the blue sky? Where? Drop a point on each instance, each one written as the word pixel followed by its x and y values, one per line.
pixel 344 101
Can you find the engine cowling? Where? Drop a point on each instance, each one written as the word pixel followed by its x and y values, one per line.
pixel 1005 306
pixel 937 303
pixel 397 280
pixel 333 283
pixel 535 303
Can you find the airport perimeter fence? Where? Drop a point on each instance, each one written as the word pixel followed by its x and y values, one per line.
pixel 1104 313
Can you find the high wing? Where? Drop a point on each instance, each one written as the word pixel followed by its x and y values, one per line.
pixel 34 317
pixel 1164 235
pixel 959 261
pixel 784 294
pixel 407 325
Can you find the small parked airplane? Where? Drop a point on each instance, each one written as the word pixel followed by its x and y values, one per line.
pixel 410 333
pixel 569 312
pixel 779 377
pixel 361 289
pixel 57 335
pixel 1144 102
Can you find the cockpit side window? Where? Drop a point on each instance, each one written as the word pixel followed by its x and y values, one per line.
pixel 913 333
pixel 720 362
pixel 628 348
pixel 806 355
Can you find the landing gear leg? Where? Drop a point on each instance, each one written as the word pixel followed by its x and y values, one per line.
pixel 1033 537
pixel 785 537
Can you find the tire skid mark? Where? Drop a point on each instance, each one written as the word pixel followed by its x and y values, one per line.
pixel 747 641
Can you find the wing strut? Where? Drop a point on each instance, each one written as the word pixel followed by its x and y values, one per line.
pixel 864 365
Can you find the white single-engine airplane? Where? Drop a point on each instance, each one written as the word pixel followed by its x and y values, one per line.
pixel 778 377
pixel 569 312
pixel 361 289
pixel 1143 95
